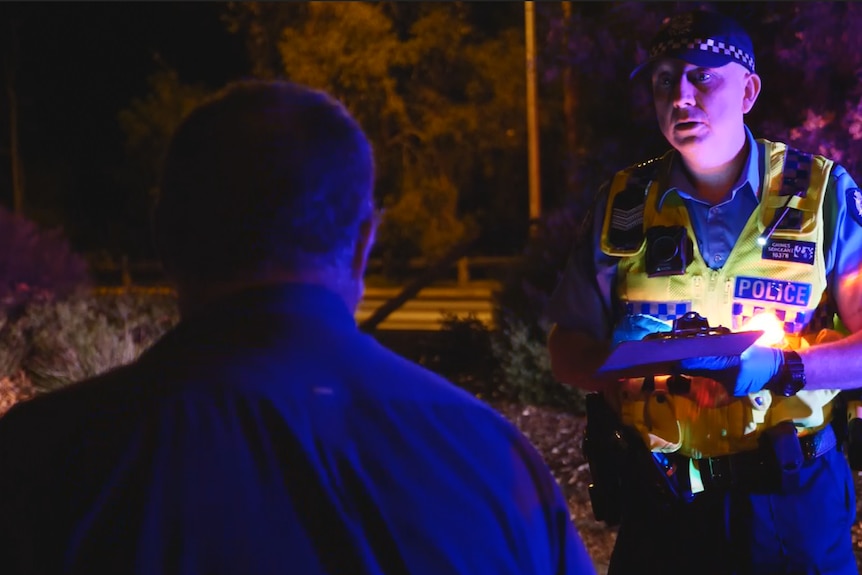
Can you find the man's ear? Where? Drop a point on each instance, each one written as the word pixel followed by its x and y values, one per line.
pixel 752 91
pixel 364 242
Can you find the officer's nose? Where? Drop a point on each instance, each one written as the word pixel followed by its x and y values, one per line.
pixel 683 95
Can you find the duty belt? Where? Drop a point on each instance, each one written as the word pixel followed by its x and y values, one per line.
pixel 752 469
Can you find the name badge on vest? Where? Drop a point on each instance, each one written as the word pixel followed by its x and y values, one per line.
pixel 789 251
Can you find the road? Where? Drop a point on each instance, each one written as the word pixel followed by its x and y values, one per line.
pixel 426 311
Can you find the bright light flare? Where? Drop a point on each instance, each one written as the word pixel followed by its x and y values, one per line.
pixel 770 325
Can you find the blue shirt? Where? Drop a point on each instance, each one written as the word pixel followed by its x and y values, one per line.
pixel 717 227
pixel 585 298
pixel 267 435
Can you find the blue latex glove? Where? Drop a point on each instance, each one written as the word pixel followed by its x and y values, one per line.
pixel 746 373
pixel 636 327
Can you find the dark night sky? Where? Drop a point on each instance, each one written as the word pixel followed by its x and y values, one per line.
pixel 80 63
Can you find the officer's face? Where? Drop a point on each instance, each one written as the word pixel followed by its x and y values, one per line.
pixel 700 110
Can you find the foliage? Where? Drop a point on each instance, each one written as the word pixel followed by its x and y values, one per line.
pixel 148 122
pixel 440 97
pixel 526 367
pixel 54 342
pixel 35 263
pixel 521 311
pixel 462 353
pixel 527 288
pixel 13 389
pixel 815 45
pixel 400 238
pixel 85 336
pixel 503 364
pixel 590 54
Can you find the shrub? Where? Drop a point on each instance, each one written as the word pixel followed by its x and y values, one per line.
pixel 526 367
pixel 35 264
pixel 521 312
pixel 463 353
pixel 86 335
pixel 50 343
pixel 15 388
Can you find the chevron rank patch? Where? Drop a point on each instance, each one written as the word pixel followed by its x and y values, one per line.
pixel 627 216
pixel 854 204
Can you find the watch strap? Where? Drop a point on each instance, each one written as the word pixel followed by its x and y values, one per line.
pixel 791 379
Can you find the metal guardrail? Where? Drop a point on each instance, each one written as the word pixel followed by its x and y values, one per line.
pixel 466 269
pixel 114 277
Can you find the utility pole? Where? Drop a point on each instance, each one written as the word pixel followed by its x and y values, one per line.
pixel 532 116
pixel 571 85
pixel 12 97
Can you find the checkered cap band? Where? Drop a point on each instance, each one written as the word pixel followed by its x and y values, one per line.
pixel 704 45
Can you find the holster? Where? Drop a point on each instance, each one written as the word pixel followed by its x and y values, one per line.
pixel 782 456
pixel 853 445
pixel 604 447
pixel 848 426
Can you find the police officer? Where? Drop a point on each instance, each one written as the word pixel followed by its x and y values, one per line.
pixel 737 470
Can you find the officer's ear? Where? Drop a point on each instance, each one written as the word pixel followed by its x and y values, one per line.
pixel 752 90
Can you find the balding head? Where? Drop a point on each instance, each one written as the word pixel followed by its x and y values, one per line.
pixel 265 180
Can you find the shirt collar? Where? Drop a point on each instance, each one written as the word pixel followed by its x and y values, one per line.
pixel 678 182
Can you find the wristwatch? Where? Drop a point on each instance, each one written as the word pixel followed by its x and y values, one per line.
pixel 791 378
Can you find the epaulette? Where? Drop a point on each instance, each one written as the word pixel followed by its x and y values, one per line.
pixel 625 231
pixel 794 182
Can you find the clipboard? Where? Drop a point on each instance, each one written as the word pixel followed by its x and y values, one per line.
pixel 660 356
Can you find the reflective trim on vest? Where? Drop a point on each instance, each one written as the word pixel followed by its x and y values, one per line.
pixel 667 310
pixel 752 281
pixel 794 321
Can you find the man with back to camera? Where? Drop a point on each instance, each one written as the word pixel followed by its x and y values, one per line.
pixel 731 464
pixel 265 433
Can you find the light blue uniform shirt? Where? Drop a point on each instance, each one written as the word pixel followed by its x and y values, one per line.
pixel 717 227
pixel 585 296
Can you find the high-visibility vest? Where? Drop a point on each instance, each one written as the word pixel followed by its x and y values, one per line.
pixel 785 277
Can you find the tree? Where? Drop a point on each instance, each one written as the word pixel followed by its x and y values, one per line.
pixel 440 97
pixel 148 123
pixel 589 53
pixel 815 46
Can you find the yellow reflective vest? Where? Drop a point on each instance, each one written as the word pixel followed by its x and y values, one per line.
pixel 786 277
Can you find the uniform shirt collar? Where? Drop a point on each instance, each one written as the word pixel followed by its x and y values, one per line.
pixel 678 182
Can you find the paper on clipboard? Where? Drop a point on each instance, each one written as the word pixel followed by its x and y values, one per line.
pixel 659 356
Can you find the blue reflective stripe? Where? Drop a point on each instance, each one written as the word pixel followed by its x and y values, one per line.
pixel 659 310
pixel 793 321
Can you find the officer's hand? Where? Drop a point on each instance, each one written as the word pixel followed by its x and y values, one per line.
pixel 741 374
pixel 636 327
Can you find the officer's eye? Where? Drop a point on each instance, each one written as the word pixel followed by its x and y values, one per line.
pixel 702 76
pixel 662 81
